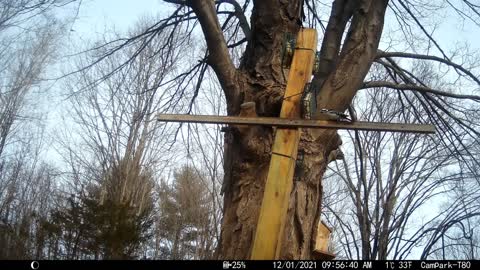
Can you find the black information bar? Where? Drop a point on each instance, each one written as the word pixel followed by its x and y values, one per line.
pixel 238 264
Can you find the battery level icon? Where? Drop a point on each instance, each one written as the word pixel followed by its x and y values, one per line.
pixel 226 265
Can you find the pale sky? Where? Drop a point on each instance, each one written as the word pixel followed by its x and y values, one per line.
pixel 95 15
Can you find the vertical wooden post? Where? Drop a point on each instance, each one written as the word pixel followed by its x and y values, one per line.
pixel 273 212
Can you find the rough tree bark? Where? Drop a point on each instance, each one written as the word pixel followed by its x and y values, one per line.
pixel 259 79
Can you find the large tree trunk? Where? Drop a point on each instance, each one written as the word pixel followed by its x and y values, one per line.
pixel 260 80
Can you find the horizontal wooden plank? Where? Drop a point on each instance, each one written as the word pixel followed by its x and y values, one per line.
pixel 297 123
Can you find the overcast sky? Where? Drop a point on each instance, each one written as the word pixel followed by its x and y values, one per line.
pixel 94 15
pixel 97 15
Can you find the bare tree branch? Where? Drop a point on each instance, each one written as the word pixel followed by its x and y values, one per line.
pixel 240 15
pixel 219 58
pixel 409 11
pixel 418 88
pixel 382 54
pixel 341 13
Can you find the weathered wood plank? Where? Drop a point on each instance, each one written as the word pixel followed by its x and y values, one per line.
pixel 297 123
pixel 273 211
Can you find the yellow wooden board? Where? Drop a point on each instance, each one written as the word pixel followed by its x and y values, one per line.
pixel 273 212
pixel 322 240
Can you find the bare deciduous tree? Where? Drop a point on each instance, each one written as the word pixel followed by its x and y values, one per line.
pixel 29 34
pixel 116 149
pixel 391 184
